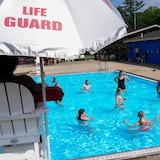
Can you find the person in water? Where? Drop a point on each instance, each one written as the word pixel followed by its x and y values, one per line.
pixel 158 88
pixel 121 79
pixel 143 123
pixel 83 118
pixel 86 86
pixel 53 81
pixel 119 99
pixel 58 101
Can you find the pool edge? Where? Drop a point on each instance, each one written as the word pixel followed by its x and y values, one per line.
pixel 126 155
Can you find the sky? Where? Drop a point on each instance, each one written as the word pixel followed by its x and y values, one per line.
pixel 147 3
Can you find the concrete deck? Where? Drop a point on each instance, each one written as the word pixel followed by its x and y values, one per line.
pixel 144 70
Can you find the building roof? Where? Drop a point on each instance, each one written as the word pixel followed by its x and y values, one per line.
pixel 144 34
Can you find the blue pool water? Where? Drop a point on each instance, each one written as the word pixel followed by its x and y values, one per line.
pixel 109 134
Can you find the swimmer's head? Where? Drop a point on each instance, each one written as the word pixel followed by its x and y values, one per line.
pixel 140 114
pixel 57 85
pixel 87 82
pixel 121 72
pixel 118 91
pixel 80 112
pixel 53 79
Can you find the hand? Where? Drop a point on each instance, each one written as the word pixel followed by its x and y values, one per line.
pixel 125 121
pixel 91 118
pixel 157 116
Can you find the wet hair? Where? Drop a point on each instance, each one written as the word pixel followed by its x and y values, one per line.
pixel 120 72
pixel 140 115
pixel 7 65
pixel 86 81
pixel 53 79
pixel 80 112
pixel 118 91
pixel 57 85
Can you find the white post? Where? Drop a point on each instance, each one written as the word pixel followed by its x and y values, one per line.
pixel 48 156
pixel 38 69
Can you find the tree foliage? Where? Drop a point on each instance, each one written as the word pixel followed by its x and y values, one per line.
pixel 149 17
pixel 129 10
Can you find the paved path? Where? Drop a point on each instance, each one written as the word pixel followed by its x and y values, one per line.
pixel 148 71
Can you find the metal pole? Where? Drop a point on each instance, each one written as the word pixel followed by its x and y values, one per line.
pixel 48 154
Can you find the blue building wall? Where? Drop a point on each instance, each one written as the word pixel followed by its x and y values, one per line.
pixel 153 48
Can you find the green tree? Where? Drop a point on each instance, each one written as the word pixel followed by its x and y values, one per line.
pixel 151 16
pixel 129 10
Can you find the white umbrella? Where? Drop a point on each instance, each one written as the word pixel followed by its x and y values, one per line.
pixel 36 27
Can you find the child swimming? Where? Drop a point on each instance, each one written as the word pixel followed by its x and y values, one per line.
pixel 158 88
pixel 119 99
pixel 82 117
pixel 144 124
pixel 86 86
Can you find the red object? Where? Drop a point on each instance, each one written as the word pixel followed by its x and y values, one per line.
pixel 23 60
pixel 52 94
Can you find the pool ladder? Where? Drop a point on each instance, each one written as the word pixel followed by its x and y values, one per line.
pixel 103 66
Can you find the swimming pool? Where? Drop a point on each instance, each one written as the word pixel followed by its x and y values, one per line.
pixel 69 140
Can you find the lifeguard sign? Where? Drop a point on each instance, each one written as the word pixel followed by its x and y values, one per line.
pixel 33 23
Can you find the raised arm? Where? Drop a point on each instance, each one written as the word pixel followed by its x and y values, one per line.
pixel 158 88
pixel 127 79
pixel 131 125
pixel 87 118
pixel 82 88
pixel 116 79
pixel 155 121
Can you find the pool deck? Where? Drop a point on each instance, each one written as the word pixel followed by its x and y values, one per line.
pixel 145 70
pixel 150 71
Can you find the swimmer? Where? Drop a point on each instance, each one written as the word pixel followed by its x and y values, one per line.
pixel 121 79
pixel 158 88
pixel 53 81
pixel 119 99
pixel 45 83
pixel 143 123
pixel 86 86
pixel 82 117
pixel 58 101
